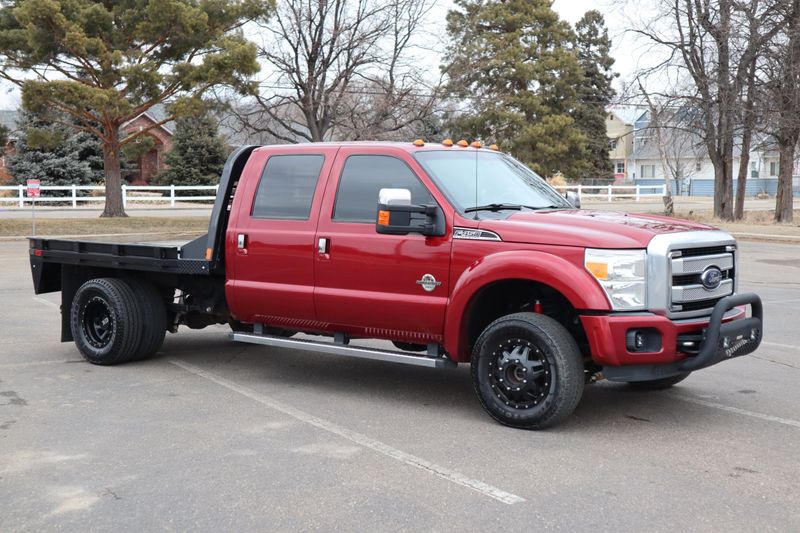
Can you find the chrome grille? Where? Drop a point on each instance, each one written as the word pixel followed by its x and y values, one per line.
pixel 686 267
pixel 675 265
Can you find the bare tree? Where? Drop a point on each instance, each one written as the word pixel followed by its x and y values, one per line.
pixel 672 129
pixel 716 43
pixel 656 116
pixel 340 65
pixel 781 96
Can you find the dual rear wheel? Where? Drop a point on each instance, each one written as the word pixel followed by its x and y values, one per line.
pixel 118 320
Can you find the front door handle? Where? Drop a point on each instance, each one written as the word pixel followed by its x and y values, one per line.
pixel 323 245
pixel 241 241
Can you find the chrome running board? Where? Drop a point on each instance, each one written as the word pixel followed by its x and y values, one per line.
pixel 375 354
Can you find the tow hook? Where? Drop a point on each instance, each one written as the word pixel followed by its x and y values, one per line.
pixel 597 376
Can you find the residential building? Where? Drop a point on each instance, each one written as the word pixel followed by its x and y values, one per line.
pixel 8 118
pixel 153 161
pixel 687 160
pixel 620 130
pixel 148 165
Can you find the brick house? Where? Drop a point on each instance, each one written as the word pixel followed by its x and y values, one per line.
pixel 7 119
pixel 152 162
pixel 147 166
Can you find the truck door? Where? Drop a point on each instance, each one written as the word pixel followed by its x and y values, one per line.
pixel 389 286
pixel 272 242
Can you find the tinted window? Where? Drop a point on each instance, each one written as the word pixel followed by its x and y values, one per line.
pixel 287 186
pixel 364 176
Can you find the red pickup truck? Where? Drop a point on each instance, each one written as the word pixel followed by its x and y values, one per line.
pixel 453 252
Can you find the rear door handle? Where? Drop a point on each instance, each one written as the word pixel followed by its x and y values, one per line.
pixel 323 246
pixel 241 242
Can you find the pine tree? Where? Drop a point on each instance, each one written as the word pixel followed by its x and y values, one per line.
pixel 107 62
pixel 198 153
pixel 55 153
pixel 595 93
pixel 514 61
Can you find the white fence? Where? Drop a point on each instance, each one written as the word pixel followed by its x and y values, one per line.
pixel 152 194
pixel 612 192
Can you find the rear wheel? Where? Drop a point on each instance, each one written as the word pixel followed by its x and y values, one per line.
pixel 527 371
pixel 154 317
pixel 105 318
pixel 658 384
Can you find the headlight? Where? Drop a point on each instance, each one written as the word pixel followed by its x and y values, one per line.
pixel 622 274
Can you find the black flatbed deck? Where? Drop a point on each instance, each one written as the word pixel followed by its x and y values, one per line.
pixel 155 257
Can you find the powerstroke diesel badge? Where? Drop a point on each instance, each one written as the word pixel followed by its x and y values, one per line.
pixel 428 282
pixel 475 234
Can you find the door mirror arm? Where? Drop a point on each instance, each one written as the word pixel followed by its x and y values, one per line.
pixel 398 220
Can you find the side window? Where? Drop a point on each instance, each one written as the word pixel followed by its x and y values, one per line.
pixel 364 176
pixel 287 186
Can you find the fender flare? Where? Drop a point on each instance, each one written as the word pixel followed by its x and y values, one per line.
pixel 576 284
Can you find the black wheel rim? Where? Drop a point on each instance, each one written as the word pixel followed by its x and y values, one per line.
pixel 98 322
pixel 519 373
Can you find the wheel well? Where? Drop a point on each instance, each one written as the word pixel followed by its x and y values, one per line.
pixel 505 297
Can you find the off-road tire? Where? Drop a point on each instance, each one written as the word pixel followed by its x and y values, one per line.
pixel 106 321
pixel 658 384
pixel 561 377
pixel 154 317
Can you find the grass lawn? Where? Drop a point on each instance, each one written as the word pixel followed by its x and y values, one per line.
pixel 104 226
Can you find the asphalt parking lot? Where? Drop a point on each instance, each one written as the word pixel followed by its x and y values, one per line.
pixel 215 436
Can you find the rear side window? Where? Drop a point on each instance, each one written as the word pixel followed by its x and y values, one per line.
pixel 287 186
pixel 364 176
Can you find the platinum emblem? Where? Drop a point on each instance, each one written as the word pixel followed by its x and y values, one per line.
pixel 428 282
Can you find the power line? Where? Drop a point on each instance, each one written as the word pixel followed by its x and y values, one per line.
pixel 367 92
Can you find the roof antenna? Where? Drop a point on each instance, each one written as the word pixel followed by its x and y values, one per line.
pixel 476 183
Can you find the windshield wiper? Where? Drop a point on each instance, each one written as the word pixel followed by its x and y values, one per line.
pixel 494 207
pixel 546 207
pixel 510 207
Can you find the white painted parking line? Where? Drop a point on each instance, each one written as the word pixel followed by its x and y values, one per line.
pixel 779 345
pixel 38 363
pixel 358 438
pixel 47 302
pixel 776 302
pixel 738 411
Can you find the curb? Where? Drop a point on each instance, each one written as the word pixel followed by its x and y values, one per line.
pixel 766 237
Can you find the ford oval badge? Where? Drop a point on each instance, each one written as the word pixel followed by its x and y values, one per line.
pixel 711 278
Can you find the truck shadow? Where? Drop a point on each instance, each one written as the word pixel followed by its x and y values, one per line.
pixel 395 386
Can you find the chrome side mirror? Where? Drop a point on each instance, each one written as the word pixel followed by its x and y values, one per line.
pixel 394 197
pixel 396 215
pixel 574 199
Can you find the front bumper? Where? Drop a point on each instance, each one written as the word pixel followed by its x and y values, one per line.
pixel 726 334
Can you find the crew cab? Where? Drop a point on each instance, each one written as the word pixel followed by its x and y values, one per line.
pixel 453 252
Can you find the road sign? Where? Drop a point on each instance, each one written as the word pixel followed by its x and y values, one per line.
pixel 33 188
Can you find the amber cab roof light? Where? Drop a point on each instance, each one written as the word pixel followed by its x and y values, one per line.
pixel 419 142
pixel 447 142
pixel 462 143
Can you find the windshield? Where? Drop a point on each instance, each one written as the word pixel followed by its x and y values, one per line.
pixel 473 179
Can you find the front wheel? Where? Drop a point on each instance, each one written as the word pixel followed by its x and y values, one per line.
pixel 527 371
